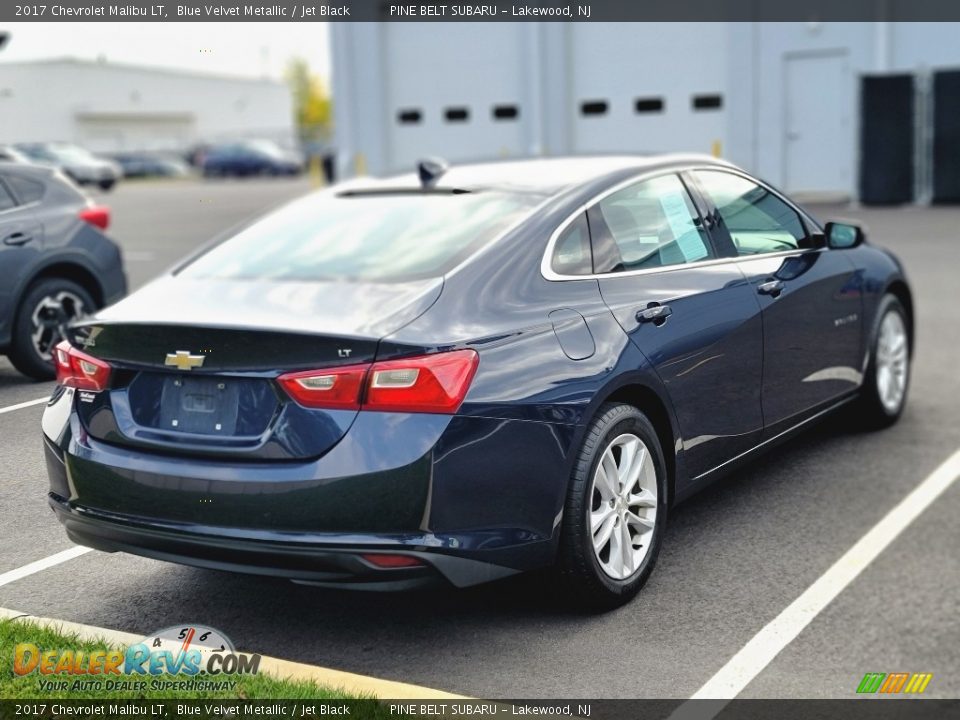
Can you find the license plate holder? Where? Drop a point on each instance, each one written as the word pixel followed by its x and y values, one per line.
pixel 205 406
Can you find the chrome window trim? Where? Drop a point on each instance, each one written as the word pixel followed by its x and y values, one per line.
pixel 548 273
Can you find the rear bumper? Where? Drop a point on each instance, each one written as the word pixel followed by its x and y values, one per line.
pixel 474 499
pixel 327 561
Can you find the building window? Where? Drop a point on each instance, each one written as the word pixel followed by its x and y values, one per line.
pixel 648 105
pixel 456 114
pixel 409 117
pixel 593 107
pixel 505 112
pixel 707 102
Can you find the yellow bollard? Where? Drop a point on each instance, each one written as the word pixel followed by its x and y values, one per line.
pixel 716 149
pixel 317 178
pixel 359 164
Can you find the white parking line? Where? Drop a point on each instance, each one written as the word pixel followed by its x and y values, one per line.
pixel 47 562
pixel 20 406
pixel 753 657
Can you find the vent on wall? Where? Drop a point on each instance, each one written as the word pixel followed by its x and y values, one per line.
pixel 409 117
pixel 648 105
pixel 593 107
pixel 707 102
pixel 456 114
pixel 505 112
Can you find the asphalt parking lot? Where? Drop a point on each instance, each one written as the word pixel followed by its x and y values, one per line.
pixel 735 556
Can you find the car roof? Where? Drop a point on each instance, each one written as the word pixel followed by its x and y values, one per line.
pixel 545 176
pixel 29 170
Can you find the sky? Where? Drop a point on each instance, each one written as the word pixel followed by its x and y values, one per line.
pixel 231 48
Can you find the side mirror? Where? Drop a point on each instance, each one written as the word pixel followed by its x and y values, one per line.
pixel 842 235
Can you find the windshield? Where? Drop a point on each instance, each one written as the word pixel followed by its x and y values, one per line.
pixel 265 147
pixel 385 237
pixel 71 153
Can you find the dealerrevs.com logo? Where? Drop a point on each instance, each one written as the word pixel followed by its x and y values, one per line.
pixel 190 657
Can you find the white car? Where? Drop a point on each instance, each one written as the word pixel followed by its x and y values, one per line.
pixel 81 165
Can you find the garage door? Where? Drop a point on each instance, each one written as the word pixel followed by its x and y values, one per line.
pixel 108 133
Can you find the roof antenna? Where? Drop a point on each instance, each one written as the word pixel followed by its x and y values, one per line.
pixel 430 169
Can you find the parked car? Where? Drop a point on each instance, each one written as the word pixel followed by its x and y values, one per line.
pixel 78 163
pixel 138 165
pixel 9 153
pixel 56 263
pixel 250 158
pixel 471 373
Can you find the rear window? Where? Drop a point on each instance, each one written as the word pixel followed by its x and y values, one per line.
pixel 374 237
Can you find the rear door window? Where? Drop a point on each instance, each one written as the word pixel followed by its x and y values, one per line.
pixel 650 224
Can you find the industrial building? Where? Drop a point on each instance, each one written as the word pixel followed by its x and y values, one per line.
pixel 781 99
pixel 109 107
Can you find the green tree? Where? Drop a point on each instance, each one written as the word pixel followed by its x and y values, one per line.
pixel 311 101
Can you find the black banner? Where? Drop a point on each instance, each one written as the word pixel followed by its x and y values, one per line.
pixel 532 11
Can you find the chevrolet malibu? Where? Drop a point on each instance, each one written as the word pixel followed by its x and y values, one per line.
pixel 470 372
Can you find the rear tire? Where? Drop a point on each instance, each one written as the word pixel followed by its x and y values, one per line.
pixel 887 379
pixel 612 531
pixel 106 185
pixel 46 308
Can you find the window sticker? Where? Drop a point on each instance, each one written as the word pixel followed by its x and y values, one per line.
pixel 686 237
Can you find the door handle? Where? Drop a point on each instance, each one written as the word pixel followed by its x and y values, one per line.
pixel 773 288
pixel 657 314
pixel 17 238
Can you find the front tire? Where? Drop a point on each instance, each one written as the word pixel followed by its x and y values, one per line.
pixel 616 510
pixel 887 379
pixel 47 307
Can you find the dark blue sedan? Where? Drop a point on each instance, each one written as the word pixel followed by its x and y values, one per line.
pixel 470 372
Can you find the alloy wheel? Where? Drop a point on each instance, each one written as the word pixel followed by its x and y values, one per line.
pixel 50 317
pixel 892 360
pixel 623 506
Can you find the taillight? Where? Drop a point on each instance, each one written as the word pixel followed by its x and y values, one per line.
pixel 427 384
pixel 98 215
pixel 431 383
pixel 337 388
pixel 78 370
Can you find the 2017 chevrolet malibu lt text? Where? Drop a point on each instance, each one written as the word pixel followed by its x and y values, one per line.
pixel 468 373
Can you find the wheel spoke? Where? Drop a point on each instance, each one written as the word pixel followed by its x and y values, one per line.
pixel 643 499
pixel 631 466
pixel 626 543
pixel 616 552
pixel 640 522
pixel 603 536
pixel 597 517
pixel 607 476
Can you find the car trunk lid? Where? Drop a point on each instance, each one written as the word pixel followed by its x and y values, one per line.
pixel 195 363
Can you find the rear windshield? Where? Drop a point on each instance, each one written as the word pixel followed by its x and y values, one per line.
pixel 375 237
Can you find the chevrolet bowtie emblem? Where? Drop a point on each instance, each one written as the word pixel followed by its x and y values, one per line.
pixel 183 360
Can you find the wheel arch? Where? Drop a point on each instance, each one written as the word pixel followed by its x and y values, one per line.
pixel 649 402
pixel 900 290
pixel 69 270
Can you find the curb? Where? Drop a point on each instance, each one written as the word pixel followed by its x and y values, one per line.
pixel 281 669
